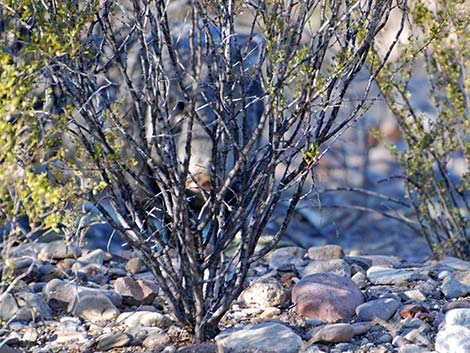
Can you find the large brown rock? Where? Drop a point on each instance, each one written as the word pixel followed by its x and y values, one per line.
pixel 327 297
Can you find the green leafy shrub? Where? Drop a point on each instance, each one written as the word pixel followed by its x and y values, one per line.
pixel 37 194
pixel 437 61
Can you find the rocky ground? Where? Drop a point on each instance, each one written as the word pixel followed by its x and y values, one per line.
pixel 346 280
pixel 296 300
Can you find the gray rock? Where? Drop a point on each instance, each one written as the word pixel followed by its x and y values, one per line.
pixel 156 341
pixel 58 250
pixel 93 257
pixel 5 348
pixel 61 293
pixel 8 306
pixel 459 316
pixel 361 328
pixel 70 323
pixel 455 263
pixel 355 268
pixel 453 339
pixel 430 289
pixel 48 272
pixel 413 322
pixel 462 276
pixel 343 347
pixel 415 295
pixel 360 279
pixel 144 318
pixel 312 322
pixel 113 340
pixel 385 275
pixel 140 333
pixel 246 312
pixel 12 336
pixel 455 305
pixel 265 337
pixel 399 341
pixel 32 306
pixel 70 330
pixel 288 256
pixel 36 287
pixel 327 297
pixel 199 348
pixel 66 264
pixel 336 266
pixel 385 338
pixel 384 260
pixel 418 335
pixel 332 333
pixel 93 272
pixel 24 306
pixel 325 252
pixel 94 307
pixel 361 261
pixel 146 275
pixel 443 274
pixel 18 264
pixel 134 265
pixel 451 288
pixel 269 313
pixel 382 309
pixel 314 349
pixel 264 293
pixel 412 348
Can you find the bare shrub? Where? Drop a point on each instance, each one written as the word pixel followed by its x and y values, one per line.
pixel 193 133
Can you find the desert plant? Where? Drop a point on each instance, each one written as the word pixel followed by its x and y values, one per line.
pixel 187 135
pixel 36 196
pixel 437 153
